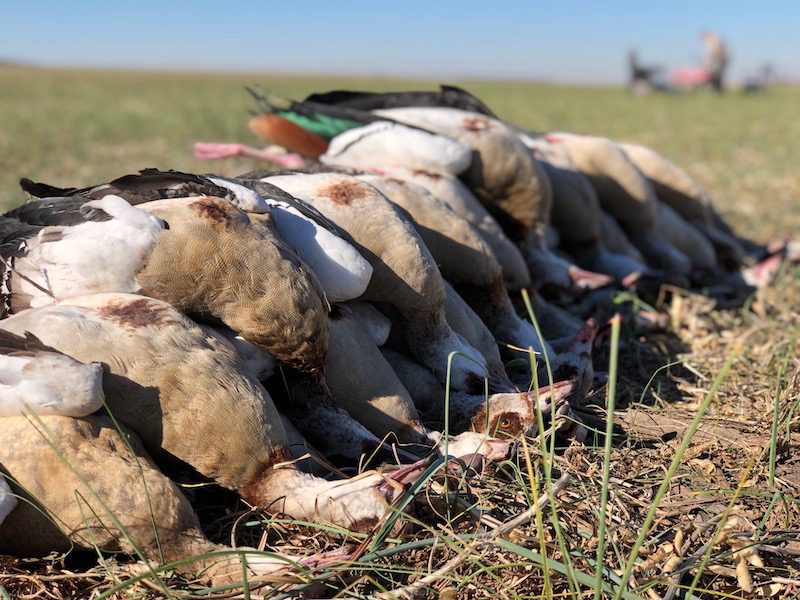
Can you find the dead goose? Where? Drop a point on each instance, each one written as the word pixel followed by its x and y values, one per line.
pixel 304 400
pixel 683 194
pixel 504 176
pixel 463 257
pixel 167 377
pixel 449 189
pixel 576 212
pixel 510 183
pixel 341 271
pixel 279 306
pixel 626 194
pixel 455 194
pixel 405 276
pixel 111 498
pixel 363 383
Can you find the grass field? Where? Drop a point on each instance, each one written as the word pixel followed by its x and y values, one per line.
pixel 728 500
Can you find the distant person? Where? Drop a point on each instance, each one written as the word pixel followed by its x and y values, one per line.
pixel 715 60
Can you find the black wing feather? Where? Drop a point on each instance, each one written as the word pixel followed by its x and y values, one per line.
pixel 448 96
pixel 56 211
pixel 22 345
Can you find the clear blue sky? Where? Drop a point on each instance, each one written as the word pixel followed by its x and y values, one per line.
pixel 561 40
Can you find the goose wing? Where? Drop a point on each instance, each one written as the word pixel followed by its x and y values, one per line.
pixel 448 96
pixel 145 186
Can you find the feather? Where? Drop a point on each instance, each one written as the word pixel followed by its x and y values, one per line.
pixel 57 211
pixel 447 96
pixel 276 129
pixel 136 188
pixel 37 378
pixel 7 500
pixel 42 190
pixel 273 194
pixel 21 345
pixel 392 144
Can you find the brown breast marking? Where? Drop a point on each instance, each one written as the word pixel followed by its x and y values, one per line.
pixel 221 213
pixel 143 312
pixel 345 192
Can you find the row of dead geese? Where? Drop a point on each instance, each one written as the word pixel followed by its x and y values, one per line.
pixel 402 233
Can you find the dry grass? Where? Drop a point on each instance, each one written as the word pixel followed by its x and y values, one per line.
pixel 727 519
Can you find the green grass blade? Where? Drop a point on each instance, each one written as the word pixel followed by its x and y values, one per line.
pixel 610 406
pixel 776 409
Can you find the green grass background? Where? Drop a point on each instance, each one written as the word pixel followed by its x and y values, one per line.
pixel 82 127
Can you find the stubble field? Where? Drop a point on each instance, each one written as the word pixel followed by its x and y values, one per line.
pixel 735 490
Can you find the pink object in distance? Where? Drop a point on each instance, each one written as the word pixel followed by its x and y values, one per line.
pixel 691 76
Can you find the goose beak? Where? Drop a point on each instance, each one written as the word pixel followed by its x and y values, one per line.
pixel 397 481
pixel 326 558
pixel 553 395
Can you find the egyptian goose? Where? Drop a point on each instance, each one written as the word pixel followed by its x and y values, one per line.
pixel 445 186
pixel 509 181
pixel 505 414
pixel 682 193
pixel 364 384
pixel 576 212
pixel 504 176
pixel 167 377
pixel 111 497
pixel 405 276
pixel 341 271
pixel 463 257
pixel 303 398
pixel 455 194
pixel 626 194
pixel 279 307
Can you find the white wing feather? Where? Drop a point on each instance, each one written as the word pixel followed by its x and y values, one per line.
pixel 341 270
pixel 385 144
pixel 91 257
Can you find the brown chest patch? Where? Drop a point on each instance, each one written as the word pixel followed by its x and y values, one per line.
pixel 345 192
pixel 220 212
pixel 143 312
pixel 477 124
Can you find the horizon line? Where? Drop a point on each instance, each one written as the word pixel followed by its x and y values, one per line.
pixel 428 78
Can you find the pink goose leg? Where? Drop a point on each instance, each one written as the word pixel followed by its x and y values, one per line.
pixel 216 151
